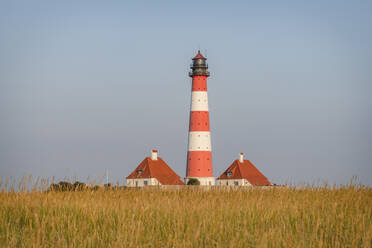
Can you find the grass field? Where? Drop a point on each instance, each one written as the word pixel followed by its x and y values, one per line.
pixel 191 217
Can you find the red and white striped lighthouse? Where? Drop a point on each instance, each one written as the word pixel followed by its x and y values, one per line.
pixel 199 156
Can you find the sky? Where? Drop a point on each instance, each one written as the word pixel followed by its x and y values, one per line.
pixel 89 87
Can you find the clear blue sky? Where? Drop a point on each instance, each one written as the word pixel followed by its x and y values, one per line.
pixel 95 85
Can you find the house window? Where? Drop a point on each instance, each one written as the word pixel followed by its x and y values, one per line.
pixel 227 183
pixel 145 182
pixel 236 183
pixel 229 174
pixel 136 183
pixel 139 171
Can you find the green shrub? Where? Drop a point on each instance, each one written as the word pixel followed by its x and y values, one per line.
pixel 193 181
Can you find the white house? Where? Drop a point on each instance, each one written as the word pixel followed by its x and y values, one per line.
pixel 153 171
pixel 242 173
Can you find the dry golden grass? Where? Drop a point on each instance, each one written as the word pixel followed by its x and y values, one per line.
pixel 190 217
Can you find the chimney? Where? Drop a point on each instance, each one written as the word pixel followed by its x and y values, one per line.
pixel 154 155
pixel 241 158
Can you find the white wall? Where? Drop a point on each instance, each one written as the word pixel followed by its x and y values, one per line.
pixel 140 182
pixel 231 182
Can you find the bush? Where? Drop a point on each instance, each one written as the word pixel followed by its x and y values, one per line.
pixel 79 186
pixel 193 181
pixel 66 186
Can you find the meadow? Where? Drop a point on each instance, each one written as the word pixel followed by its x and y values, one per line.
pixel 188 217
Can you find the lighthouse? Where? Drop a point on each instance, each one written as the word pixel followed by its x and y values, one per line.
pixel 199 155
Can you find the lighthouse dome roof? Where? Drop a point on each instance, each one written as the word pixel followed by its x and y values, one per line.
pixel 199 56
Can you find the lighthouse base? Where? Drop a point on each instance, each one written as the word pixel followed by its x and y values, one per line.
pixel 204 181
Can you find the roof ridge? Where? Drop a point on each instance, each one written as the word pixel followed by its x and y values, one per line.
pixel 148 166
pixel 238 164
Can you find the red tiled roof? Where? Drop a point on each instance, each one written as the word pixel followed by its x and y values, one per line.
pixel 156 169
pixel 199 56
pixel 245 170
